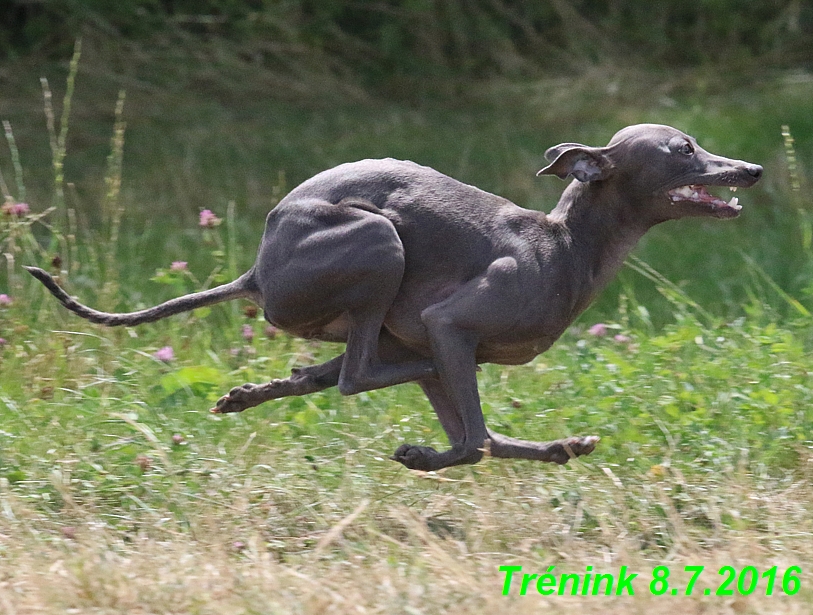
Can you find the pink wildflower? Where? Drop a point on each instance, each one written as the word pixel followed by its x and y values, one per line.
pixel 271 332
pixel 3 342
pixel 208 219
pixel 248 333
pixel 598 329
pixel 165 354
pixel 5 300
pixel 19 209
pixel 622 339
pixel 178 266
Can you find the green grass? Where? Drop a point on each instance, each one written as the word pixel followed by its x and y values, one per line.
pixel 120 490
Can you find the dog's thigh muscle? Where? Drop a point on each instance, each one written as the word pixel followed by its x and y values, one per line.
pixel 318 260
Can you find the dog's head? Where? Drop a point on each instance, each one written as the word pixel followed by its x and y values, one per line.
pixel 658 168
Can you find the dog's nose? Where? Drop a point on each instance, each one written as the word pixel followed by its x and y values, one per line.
pixel 754 170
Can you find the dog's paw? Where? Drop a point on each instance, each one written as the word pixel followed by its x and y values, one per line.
pixel 582 445
pixel 238 399
pixel 576 446
pixel 415 457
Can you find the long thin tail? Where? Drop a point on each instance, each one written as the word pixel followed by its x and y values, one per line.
pixel 243 286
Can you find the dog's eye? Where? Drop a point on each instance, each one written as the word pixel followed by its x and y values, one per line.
pixel 687 149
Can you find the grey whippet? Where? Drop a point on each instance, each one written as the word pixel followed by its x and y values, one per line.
pixel 424 277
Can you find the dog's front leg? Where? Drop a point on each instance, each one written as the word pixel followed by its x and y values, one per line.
pixel 455 399
pixel 483 307
pixel 557 451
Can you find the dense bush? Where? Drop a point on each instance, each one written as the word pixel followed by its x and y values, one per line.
pixel 390 38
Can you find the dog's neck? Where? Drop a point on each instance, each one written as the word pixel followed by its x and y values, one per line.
pixel 601 227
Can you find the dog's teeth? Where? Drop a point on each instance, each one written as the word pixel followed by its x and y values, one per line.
pixel 733 188
pixel 733 203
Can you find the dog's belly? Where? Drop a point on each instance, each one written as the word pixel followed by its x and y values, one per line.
pixel 503 351
pixel 512 353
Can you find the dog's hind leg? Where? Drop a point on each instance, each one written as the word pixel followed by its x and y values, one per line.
pixel 303 380
pixel 314 378
pixel 364 368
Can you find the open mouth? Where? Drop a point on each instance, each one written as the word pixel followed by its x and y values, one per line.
pixel 696 193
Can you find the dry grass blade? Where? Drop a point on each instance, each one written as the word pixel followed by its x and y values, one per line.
pixel 440 554
pixel 335 532
pixel 149 435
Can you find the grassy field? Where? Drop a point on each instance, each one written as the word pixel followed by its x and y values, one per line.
pixel 119 492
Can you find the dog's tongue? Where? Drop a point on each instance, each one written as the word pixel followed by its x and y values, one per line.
pixel 699 194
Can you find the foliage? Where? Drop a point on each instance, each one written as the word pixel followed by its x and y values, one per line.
pixel 119 489
pixel 389 39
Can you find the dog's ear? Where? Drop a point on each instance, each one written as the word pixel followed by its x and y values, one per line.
pixel 587 164
pixel 553 152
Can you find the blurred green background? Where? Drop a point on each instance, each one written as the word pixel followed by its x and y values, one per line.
pixel 242 100
pixel 702 390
